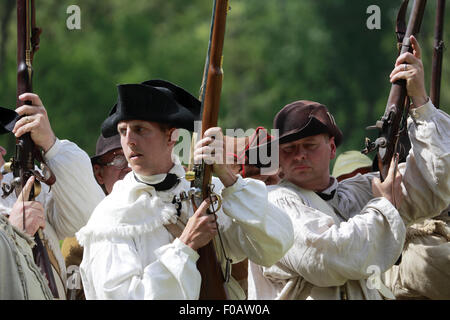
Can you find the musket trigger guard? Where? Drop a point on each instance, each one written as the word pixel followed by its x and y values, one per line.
pixel 7 190
pixel 218 200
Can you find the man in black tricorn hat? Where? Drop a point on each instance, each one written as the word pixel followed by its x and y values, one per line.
pixel 141 240
pixel 348 233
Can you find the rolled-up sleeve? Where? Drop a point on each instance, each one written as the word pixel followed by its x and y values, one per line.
pixel 425 176
pixel 75 193
pixel 259 230
pixel 329 254
pixel 114 270
pixel 425 180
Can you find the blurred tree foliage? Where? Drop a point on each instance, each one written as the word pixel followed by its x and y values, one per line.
pixel 276 52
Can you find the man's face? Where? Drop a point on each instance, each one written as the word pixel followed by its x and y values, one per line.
pixel 111 167
pixel 148 149
pixel 306 162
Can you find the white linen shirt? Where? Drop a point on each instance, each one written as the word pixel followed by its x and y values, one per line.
pixel 336 252
pixel 129 254
pixel 69 202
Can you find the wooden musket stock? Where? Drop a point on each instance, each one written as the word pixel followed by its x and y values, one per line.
pixel 213 281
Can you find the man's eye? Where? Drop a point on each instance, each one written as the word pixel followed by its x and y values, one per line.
pixel 288 149
pixel 139 129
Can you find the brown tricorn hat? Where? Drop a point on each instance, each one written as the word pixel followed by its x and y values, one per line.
pixel 105 145
pixel 301 119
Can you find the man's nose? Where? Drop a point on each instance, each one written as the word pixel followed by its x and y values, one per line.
pixel 300 153
pixel 130 138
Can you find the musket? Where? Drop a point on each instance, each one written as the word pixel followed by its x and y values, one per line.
pixel 400 27
pixel 438 51
pixel 26 152
pixel 213 286
pixel 393 122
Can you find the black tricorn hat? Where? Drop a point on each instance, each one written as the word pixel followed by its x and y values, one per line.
pixel 154 100
pixel 8 119
pixel 304 118
pixel 105 145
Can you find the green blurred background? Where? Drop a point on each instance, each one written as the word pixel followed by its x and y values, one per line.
pixel 276 52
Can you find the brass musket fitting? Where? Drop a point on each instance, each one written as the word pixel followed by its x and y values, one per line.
pixel 7 167
pixel 37 188
pixel 190 175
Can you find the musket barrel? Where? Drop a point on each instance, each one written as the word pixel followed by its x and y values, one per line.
pixel 438 48
pixel 213 281
pixel 25 147
pixel 213 89
pixel 24 68
pixel 397 96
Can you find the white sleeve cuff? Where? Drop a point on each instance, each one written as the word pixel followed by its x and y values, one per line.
pixel 53 151
pixel 423 112
pixel 179 246
pixel 238 185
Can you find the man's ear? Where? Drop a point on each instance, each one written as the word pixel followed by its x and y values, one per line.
pixel 332 148
pixel 98 173
pixel 173 135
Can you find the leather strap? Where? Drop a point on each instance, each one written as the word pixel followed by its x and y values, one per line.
pixel 52 257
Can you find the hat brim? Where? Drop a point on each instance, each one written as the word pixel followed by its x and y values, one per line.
pixel 312 128
pixel 95 158
pixel 105 145
pixel 8 119
pixel 109 125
